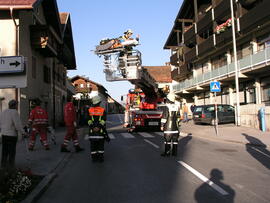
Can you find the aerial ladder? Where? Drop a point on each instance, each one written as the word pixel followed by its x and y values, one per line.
pixel 122 64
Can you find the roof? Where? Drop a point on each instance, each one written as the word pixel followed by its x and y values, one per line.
pixel 185 12
pixel 86 79
pixel 67 37
pixel 18 4
pixel 162 74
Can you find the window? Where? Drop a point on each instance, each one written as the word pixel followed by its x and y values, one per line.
pixel 198 109
pixel 210 109
pixel 34 67
pixel 266 93
pixel 64 79
pixel 81 85
pixel 46 74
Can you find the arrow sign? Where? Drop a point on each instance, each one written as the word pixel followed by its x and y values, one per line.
pixel 215 87
pixel 15 64
pixel 11 64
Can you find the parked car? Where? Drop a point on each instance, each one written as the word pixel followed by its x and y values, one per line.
pixel 206 114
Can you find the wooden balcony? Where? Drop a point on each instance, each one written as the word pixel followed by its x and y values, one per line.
pixel 222 9
pixel 205 22
pixel 43 39
pixel 189 36
pixel 255 17
pixel 206 45
pixel 180 73
pixel 176 59
pixel 224 37
pixel 190 55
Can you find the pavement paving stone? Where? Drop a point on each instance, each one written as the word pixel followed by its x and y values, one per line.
pixel 228 133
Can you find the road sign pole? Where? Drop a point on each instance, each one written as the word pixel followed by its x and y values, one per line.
pixel 216 113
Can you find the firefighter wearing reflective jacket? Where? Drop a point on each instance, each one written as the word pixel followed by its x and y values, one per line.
pixel 97 130
pixel 38 120
pixel 169 124
pixel 70 122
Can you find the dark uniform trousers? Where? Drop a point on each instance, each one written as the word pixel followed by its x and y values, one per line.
pixel 8 151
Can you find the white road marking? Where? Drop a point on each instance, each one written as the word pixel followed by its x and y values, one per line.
pixel 111 136
pixel 204 179
pixel 159 133
pixel 127 135
pixel 151 143
pixel 146 135
pixel 120 118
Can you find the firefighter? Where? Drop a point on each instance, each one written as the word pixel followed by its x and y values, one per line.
pixel 71 124
pixel 38 120
pixel 169 124
pixel 97 130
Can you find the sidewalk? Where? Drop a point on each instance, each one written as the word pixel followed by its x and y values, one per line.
pixel 43 162
pixel 227 133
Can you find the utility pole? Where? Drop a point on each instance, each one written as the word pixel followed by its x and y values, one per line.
pixel 236 67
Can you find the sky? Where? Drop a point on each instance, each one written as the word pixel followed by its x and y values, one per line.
pixel 93 20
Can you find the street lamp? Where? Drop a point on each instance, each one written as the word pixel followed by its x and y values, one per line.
pixel 236 67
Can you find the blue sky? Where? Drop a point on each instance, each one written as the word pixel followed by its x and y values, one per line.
pixel 93 20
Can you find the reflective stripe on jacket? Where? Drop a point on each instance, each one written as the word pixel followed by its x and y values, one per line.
pixel 38 116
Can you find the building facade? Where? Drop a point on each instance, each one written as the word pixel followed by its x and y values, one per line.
pixel 201 43
pixel 40 34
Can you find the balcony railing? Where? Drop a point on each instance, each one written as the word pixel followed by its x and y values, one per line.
pixel 189 36
pixel 224 37
pixel 255 17
pixel 205 23
pixel 259 58
pixel 43 39
pixel 190 55
pixel 175 59
pixel 222 9
pixel 180 73
pixel 206 45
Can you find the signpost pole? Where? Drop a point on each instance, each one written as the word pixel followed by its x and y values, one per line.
pixel 215 87
pixel 216 113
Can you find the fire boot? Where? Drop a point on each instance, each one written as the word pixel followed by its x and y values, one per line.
pixel 64 149
pixel 167 150
pixel 174 150
pixel 78 148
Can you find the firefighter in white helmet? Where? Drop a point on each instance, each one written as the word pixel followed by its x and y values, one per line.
pixel 169 124
pixel 97 130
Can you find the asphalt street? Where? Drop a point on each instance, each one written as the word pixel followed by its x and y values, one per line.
pixel 134 172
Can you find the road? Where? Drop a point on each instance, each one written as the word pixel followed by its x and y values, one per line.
pixel 134 172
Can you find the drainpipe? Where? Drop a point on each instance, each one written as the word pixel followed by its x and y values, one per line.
pixel 17 51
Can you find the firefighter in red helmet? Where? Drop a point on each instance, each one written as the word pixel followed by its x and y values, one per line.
pixel 97 130
pixel 38 120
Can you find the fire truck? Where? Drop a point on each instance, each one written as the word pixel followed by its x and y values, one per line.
pixel 142 102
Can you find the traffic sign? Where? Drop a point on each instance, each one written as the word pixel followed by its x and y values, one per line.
pixel 11 64
pixel 215 87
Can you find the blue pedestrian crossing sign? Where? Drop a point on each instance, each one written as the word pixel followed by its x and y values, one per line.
pixel 215 87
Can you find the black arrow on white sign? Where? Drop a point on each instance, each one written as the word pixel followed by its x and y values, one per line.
pixel 15 63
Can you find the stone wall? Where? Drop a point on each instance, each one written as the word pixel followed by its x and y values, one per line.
pixel 250 116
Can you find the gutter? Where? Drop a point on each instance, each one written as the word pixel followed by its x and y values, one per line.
pixel 17 52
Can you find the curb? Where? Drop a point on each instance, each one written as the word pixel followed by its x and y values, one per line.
pixel 46 181
pixel 39 189
pixel 184 134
